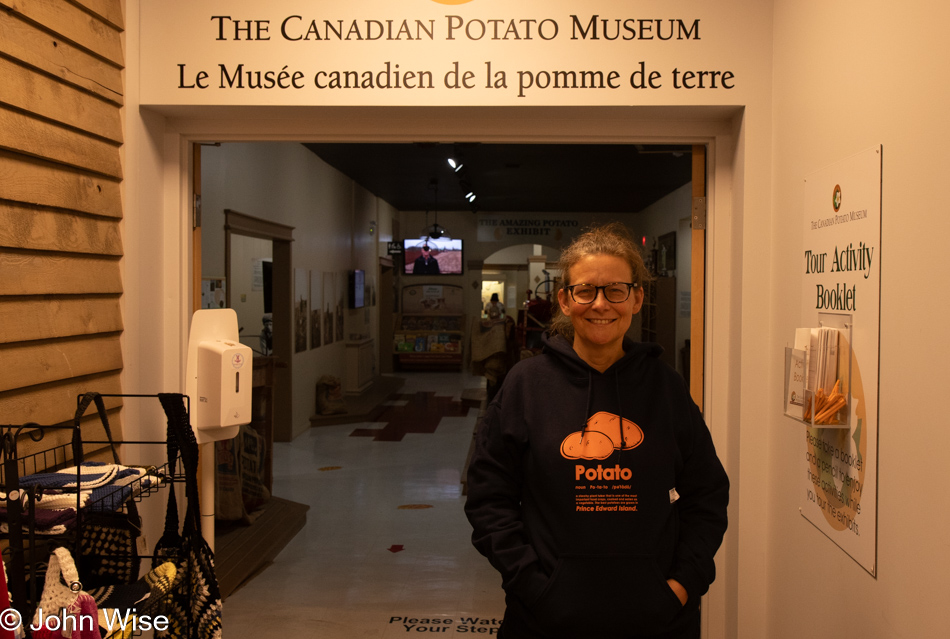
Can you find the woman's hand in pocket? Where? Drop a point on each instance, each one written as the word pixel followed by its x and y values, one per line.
pixel 678 590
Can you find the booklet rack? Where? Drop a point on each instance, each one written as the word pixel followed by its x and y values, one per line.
pixel 818 374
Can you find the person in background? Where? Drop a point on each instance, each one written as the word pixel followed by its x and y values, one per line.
pixel 494 309
pixel 595 489
pixel 426 264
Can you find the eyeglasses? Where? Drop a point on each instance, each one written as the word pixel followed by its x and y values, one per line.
pixel 615 292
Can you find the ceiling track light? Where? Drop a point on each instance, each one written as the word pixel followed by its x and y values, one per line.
pixel 463 183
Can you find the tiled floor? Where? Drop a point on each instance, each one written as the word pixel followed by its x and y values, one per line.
pixel 386 551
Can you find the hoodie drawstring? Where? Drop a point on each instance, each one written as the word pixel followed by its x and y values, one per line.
pixel 590 399
pixel 623 436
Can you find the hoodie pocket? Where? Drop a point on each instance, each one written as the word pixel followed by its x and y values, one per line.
pixel 603 595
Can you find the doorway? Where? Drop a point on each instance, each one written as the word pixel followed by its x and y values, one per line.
pixel 716 127
pixel 490 287
pixel 256 236
pixel 250 276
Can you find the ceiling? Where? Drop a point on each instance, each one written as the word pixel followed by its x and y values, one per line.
pixel 513 178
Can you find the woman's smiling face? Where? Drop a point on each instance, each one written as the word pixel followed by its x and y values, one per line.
pixel 599 327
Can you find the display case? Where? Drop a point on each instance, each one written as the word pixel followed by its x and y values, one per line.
pixel 430 330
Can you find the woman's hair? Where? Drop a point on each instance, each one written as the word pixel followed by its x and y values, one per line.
pixel 494 297
pixel 609 239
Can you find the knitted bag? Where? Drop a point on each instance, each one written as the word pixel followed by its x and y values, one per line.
pixel 118 605
pixel 108 547
pixel 194 603
pixel 65 610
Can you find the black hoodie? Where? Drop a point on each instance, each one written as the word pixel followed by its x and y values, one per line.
pixel 588 490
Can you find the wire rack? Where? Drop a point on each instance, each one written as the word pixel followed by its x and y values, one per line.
pixel 27 548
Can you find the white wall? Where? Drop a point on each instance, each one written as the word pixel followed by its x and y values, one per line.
pixel 155 330
pixel 285 183
pixel 850 75
pixel 366 211
pixel 519 254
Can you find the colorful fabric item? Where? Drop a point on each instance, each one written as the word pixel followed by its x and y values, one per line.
pixel 46 522
pixel 88 474
pixel 5 603
pixel 55 499
pixel 128 482
pixel 78 621
pixel 65 610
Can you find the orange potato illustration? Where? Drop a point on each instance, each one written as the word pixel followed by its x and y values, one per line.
pixel 609 424
pixel 590 444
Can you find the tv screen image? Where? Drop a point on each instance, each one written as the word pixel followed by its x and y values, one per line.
pixel 428 256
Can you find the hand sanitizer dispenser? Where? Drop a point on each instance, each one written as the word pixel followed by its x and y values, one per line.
pixel 218 376
pixel 224 384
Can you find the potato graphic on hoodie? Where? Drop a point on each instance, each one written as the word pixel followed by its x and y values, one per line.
pixel 589 444
pixel 602 437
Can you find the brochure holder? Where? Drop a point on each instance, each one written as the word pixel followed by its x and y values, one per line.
pixel 831 360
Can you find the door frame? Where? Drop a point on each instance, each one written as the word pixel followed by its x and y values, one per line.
pixel 718 128
pixel 387 315
pixel 697 318
pixel 282 237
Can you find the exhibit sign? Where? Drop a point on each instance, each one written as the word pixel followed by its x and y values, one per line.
pixel 444 53
pixel 838 352
pixel 547 229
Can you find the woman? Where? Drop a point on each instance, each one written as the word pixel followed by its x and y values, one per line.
pixel 595 489
pixel 494 309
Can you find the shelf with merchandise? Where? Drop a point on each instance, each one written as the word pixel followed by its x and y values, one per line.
pixel 430 330
pixel 48 473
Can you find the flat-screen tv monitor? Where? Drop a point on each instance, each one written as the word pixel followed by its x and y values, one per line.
pixel 427 256
pixel 357 282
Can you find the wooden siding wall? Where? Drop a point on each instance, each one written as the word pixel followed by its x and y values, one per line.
pixel 61 88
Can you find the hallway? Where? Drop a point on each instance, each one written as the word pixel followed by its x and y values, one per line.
pixel 386 549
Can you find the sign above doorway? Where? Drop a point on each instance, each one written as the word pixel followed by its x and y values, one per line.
pixel 379 53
